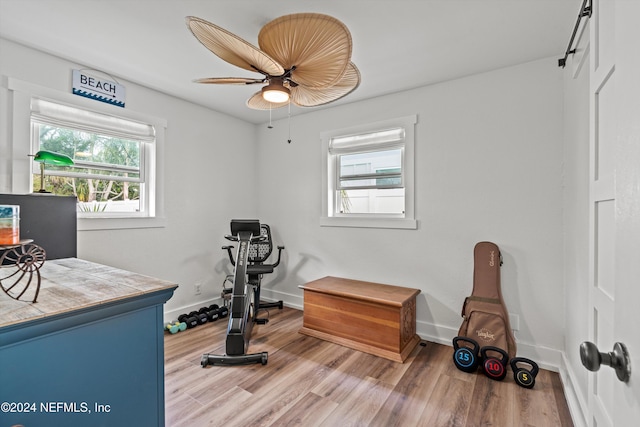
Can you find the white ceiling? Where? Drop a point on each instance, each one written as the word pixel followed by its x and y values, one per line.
pixel 397 44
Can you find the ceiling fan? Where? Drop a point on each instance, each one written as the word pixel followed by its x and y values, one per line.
pixel 304 59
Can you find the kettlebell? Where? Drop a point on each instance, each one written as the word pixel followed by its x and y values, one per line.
pixel 494 367
pixel 522 376
pixel 466 359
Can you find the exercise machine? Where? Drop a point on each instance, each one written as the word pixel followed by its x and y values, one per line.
pixel 242 304
pixel 254 247
pixel 259 252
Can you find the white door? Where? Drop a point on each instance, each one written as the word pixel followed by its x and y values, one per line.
pixel 615 206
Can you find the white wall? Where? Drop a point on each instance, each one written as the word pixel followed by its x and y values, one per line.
pixel 209 177
pixel 488 167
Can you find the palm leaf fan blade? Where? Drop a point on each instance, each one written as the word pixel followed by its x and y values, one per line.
pixel 319 47
pixel 232 48
pixel 311 97
pixel 229 80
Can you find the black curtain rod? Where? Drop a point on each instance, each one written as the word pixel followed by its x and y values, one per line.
pixel 584 11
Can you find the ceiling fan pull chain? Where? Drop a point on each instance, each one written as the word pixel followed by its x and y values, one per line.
pixel 270 126
pixel 289 140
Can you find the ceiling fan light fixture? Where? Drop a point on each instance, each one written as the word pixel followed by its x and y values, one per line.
pixel 305 59
pixel 275 92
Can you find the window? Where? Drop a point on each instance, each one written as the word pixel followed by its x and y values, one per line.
pixel 368 175
pixel 35 105
pixel 110 175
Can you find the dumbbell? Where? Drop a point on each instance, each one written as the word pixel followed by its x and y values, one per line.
pixel 189 319
pixel 211 312
pixel 176 327
pixel 466 359
pixel 202 318
pixel 223 312
pixel 522 376
pixel 494 367
pixel 220 311
pixel 172 328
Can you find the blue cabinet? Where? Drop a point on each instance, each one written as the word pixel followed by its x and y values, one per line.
pixel 90 352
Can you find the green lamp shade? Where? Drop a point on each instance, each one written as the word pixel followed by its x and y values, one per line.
pixel 51 158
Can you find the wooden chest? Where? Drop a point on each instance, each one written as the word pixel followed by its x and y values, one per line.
pixel 370 317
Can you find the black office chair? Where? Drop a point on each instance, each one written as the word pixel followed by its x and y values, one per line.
pixel 259 252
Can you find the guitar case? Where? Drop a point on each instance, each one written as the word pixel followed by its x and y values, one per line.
pixel 484 313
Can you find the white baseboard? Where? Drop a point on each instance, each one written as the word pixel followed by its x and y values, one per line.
pixel 435 333
pixel 172 315
pixel 290 300
pixel 545 357
pixel 577 405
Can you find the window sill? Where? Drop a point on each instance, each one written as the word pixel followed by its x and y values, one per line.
pixel 91 224
pixel 400 223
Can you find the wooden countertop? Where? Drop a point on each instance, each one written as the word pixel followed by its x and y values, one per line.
pixel 71 284
pixel 365 291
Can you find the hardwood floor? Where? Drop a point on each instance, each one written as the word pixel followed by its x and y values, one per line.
pixel 311 382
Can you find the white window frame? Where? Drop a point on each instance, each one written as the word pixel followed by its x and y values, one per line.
pixel 331 217
pixel 25 92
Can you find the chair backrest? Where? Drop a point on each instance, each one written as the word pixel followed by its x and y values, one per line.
pixel 259 251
